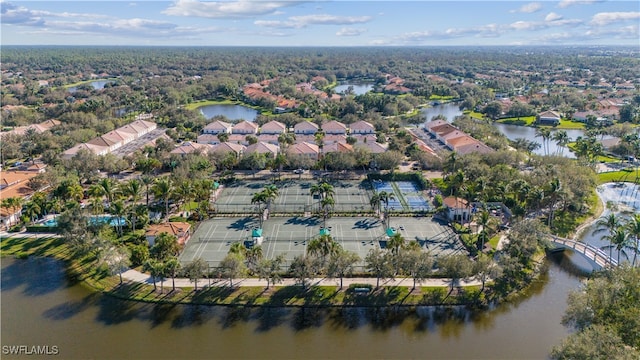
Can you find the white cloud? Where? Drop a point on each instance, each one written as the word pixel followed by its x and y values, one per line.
pixel 528 8
pixel 552 17
pixel 225 9
pixel 626 32
pixel 605 18
pixel 566 3
pixel 297 22
pixel 350 32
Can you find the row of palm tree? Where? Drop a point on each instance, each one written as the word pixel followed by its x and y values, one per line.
pixel 376 201
pixel 560 137
pixel 622 235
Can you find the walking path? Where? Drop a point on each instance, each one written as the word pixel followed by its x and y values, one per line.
pixel 137 276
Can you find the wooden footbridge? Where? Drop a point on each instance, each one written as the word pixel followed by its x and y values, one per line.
pixel 590 252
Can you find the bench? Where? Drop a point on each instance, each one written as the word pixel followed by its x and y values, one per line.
pixel 361 290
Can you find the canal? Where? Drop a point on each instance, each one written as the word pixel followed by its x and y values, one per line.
pixel 41 307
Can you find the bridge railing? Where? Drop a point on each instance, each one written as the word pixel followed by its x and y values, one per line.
pixel 586 250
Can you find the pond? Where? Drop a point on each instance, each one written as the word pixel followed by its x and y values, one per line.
pixel 231 112
pixel 626 197
pixel 97 85
pixel 40 306
pixel 359 88
pixel 512 132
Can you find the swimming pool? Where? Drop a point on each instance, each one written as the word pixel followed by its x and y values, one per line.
pixel 93 220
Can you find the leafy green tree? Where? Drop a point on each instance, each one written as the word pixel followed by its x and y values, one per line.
pixel 417 264
pixel 195 270
pixel 164 247
pixel 323 247
pixel 379 264
pixel 171 269
pixel 485 268
pixel 116 258
pixel 269 269
pixel 233 266
pixel 605 310
pixel 302 269
pixel 341 264
pixel 456 267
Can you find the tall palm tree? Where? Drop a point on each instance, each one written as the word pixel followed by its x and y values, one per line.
pixel 562 140
pixel 32 210
pixel 327 204
pixel 375 202
pixel 132 189
pixel 117 209
pixel 394 244
pixel 110 189
pixel 385 197
pixel 554 189
pixel 619 239
pixel 184 192
pixel 484 219
pixel 147 181
pixel 609 224
pixel 545 134
pixel 633 227
pixel 323 246
pixel 258 199
pixel 13 205
pixel 163 188
pixel 271 193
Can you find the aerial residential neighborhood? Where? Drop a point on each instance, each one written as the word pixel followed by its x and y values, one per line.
pixel 299 180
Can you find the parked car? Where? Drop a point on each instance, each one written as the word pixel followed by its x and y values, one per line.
pixel 298 171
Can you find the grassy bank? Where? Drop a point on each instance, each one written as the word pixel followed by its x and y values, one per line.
pixel 622 175
pixel 86 270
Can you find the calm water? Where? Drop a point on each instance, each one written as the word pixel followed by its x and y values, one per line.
pixel 40 307
pixel 231 112
pixel 512 132
pixel 97 85
pixel 627 196
pixel 358 88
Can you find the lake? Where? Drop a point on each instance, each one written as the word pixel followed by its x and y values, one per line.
pixel 359 88
pixel 512 132
pixel 41 307
pixel 97 85
pixel 230 111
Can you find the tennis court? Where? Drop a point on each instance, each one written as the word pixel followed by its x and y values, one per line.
pixel 294 197
pixel 407 196
pixel 290 236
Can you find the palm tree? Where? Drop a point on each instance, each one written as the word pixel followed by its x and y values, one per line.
pixel 562 140
pixel 32 210
pixel 163 188
pixel 545 134
pixel 147 181
pixel 257 199
pixel 154 267
pixel 323 246
pixel 109 188
pixel 327 204
pixel 375 202
pixel 385 197
pixel 554 188
pixel 609 224
pixel 271 193
pixel 395 243
pixel 184 192
pixel 619 239
pixel 483 218
pixel 633 227
pixel 132 189
pixel 253 256
pixel 13 205
pixel 117 209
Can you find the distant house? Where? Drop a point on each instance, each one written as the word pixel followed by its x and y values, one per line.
pixel 273 127
pixel 334 138
pixel 269 138
pixel 189 147
pixel 14 184
pixel 227 147
pixel 305 128
pixel 245 127
pixel 334 128
pixel 337 147
pixel 548 118
pixel 373 147
pixel 208 139
pixel 361 127
pixel 364 138
pixel 181 230
pixel 458 209
pixel 263 148
pixel 307 149
pixel 217 127
pixel 96 149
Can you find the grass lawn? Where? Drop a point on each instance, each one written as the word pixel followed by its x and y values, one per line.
pixel 439 97
pixel 568 124
pixel 494 241
pixel 474 114
pixel 521 121
pixel 622 175
pixel 197 104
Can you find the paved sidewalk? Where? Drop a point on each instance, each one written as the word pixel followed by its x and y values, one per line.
pixel 136 276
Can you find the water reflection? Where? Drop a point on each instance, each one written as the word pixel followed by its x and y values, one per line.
pixel 231 112
pixel 85 324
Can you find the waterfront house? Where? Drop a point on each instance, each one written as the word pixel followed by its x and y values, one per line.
pixel 217 127
pixel 548 117
pixel 245 127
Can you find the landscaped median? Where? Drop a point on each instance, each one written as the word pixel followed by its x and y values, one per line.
pixel 246 292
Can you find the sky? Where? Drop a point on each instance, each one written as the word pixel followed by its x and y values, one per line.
pixel 320 23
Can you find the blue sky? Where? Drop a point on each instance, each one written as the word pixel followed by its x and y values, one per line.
pixel 320 23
